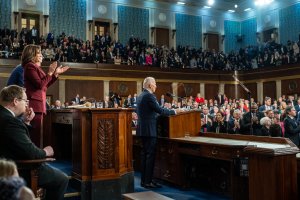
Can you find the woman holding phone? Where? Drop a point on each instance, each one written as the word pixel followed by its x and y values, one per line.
pixel 36 82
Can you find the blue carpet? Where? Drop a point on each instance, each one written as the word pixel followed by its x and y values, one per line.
pixel 166 190
pixel 176 193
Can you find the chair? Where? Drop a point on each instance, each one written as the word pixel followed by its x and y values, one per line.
pixel 28 169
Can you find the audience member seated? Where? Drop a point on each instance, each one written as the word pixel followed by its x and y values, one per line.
pixel 14 133
pixel 12 187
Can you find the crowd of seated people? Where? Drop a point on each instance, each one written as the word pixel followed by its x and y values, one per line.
pixel 103 49
pixel 274 117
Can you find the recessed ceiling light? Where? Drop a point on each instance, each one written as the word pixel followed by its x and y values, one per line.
pixel 210 2
pixel 181 3
pixel 235 5
pixel 232 11
pixel 248 9
pixel 206 7
pixel 262 2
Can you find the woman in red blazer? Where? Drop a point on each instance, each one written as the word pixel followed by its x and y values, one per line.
pixel 36 82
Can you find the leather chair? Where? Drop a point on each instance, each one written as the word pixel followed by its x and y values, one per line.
pixel 28 169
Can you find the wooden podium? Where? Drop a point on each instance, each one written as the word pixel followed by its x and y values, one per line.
pixel 179 125
pixel 99 144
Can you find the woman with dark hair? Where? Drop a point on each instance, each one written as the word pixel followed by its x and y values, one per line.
pixel 36 82
pixel 219 125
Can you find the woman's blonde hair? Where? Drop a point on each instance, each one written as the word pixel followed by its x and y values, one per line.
pixel 29 53
pixel 7 168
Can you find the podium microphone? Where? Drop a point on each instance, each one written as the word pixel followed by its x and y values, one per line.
pixel 168 94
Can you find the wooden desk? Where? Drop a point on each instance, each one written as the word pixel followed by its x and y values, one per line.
pixel 271 168
pixel 99 144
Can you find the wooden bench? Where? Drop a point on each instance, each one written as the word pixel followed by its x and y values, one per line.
pixel 149 195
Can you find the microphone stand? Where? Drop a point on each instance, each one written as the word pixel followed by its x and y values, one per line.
pixel 249 98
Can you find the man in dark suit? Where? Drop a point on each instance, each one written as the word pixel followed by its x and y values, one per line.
pixel 266 106
pixel 147 110
pixel 15 143
pixel 16 76
pixel 291 127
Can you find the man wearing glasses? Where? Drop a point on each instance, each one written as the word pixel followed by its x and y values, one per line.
pixel 15 143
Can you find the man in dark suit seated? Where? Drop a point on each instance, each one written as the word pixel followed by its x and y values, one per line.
pixel 147 110
pixel 291 126
pixel 15 143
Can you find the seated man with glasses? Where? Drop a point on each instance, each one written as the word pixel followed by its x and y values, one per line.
pixel 15 143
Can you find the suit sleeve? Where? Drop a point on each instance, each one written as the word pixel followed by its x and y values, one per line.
pixel 37 79
pixel 288 126
pixel 21 144
pixel 155 106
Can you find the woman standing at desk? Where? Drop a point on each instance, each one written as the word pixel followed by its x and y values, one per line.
pixel 36 82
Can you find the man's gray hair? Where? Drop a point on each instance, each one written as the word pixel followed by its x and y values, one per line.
pixel 147 82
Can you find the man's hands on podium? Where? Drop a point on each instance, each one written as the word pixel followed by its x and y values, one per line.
pixel 49 151
pixel 179 110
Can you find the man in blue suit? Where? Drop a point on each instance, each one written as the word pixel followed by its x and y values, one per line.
pixel 147 110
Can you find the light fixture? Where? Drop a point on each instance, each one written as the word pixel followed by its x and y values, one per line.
pixel 232 11
pixel 206 7
pixel 248 9
pixel 262 2
pixel 235 5
pixel 181 3
pixel 210 2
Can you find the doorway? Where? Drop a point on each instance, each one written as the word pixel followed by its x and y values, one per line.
pixel 30 20
pixel 101 28
pixel 213 41
pixel 162 36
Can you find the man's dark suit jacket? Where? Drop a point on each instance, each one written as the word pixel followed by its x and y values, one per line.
pixel 291 130
pixel 16 76
pixel 15 143
pixel 147 109
pixel 36 82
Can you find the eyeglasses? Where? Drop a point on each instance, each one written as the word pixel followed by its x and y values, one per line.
pixel 25 100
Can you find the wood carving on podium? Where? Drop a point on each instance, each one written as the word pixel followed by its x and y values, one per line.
pixel 106 144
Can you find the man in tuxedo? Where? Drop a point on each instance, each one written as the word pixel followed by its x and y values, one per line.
pixel 15 143
pixel 147 110
pixel 291 127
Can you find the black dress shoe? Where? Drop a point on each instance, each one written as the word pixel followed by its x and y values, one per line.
pixel 157 185
pixel 150 185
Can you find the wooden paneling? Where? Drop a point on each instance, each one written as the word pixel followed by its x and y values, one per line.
pixel 3 82
pixel 123 88
pixel 236 91
pixel 53 90
pixel 162 89
pixel 253 89
pixel 162 36
pixel 90 89
pixel 213 41
pixel 211 90
pixel 188 89
pixel 290 86
pixel 269 89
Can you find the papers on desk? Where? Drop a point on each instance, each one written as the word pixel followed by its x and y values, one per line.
pixel 232 142
pixel 76 106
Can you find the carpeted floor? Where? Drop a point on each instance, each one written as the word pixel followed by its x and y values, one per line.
pixel 177 193
pixel 166 190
